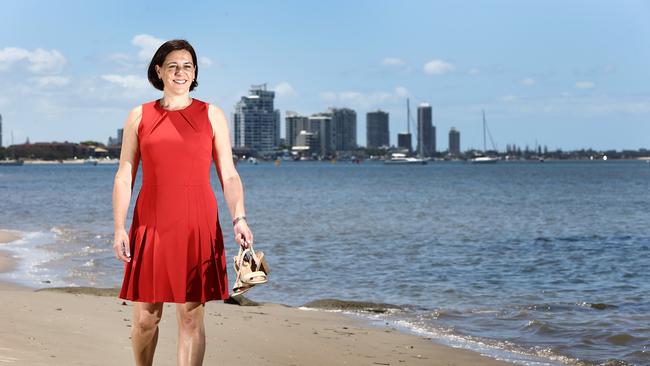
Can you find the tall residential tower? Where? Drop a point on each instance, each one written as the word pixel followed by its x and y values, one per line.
pixel 344 129
pixel 454 142
pixel 256 123
pixel 377 129
pixel 426 143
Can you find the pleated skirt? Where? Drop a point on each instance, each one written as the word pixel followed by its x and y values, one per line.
pixel 177 248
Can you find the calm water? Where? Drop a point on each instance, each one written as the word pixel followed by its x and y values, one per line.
pixel 534 263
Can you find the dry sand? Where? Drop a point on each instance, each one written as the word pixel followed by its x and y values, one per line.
pixel 92 327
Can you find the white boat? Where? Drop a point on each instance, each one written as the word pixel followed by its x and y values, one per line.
pixel 399 158
pixel 483 159
pixel 90 161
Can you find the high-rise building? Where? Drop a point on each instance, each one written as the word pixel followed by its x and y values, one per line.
pixel 256 124
pixel 377 129
pixel 454 142
pixel 1 130
pixel 294 124
pixel 344 129
pixel 113 141
pixel 426 131
pixel 308 139
pixel 404 141
pixel 321 125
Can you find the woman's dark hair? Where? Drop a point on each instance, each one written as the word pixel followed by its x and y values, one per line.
pixel 160 55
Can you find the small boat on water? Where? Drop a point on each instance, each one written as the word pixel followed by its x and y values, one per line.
pixel 399 158
pixel 482 158
pixel 90 161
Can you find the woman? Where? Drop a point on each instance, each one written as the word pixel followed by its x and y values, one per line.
pixel 174 251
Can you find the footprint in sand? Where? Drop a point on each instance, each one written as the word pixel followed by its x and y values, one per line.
pixel 7 359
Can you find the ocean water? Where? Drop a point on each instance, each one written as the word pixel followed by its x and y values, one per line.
pixel 539 264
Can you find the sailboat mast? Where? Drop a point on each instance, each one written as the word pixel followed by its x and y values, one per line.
pixel 484 144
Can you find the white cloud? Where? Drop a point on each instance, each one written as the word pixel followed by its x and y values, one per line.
pixel 127 81
pixel 350 96
pixel 585 85
pixel 438 67
pixel 568 105
pixel 148 45
pixel 508 98
pixel 474 71
pixel 328 96
pixel 39 61
pixel 401 91
pixel 122 60
pixel 528 81
pixel 393 61
pixel 51 81
pixel 356 99
pixel 284 89
pixel 206 62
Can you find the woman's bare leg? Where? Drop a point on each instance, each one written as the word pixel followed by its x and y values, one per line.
pixel 191 333
pixel 144 331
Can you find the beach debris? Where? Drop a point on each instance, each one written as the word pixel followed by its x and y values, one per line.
pixel 241 301
pixel 84 290
pixel 363 306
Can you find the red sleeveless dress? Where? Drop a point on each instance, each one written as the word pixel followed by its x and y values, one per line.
pixel 177 251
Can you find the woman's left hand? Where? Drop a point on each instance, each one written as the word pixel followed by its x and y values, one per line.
pixel 243 235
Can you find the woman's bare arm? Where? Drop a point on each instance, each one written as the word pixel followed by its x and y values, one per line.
pixel 233 190
pixel 124 179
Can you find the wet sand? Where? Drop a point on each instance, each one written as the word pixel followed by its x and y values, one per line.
pixel 90 326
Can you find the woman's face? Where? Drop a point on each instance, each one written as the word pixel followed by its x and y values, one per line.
pixel 177 72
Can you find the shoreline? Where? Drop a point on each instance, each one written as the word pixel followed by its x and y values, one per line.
pixel 59 326
pixel 8 262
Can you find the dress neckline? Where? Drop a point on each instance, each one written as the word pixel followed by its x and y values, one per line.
pixel 157 104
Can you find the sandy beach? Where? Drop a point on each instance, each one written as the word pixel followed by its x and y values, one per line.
pixel 92 327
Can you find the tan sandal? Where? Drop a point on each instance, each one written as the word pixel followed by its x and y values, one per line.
pixel 239 288
pixel 251 269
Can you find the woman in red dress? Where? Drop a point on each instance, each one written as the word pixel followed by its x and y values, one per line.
pixel 174 249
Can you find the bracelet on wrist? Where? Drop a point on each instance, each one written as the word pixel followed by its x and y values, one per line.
pixel 237 219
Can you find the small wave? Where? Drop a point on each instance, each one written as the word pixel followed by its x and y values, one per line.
pixel 56 230
pixel 90 263
pixel 90 250
pixel 540 327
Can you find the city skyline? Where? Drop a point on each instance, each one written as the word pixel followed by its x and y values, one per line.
pixel 567 75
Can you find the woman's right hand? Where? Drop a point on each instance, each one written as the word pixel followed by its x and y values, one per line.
pixel 121 246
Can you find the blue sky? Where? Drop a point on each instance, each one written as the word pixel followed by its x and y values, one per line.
pixel 565 74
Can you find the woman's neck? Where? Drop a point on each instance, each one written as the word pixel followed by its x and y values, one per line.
pixel 172 102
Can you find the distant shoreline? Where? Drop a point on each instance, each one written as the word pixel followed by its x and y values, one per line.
pixel 115 161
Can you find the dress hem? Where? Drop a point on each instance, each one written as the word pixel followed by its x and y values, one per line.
pixel 173 300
